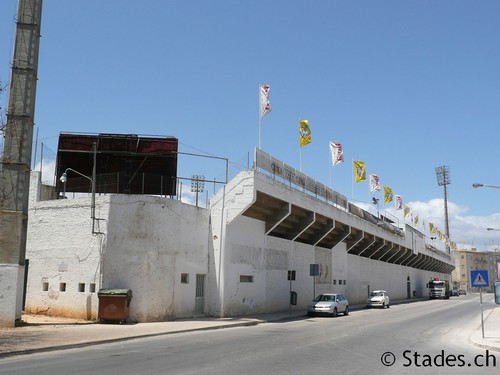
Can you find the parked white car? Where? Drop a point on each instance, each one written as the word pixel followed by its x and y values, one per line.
pixel 378 298
pixel 331 304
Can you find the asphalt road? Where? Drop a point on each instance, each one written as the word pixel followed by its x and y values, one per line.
pixel 420 338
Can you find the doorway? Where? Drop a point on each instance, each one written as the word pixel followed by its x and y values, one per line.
pixel 408 287
pixel 200 294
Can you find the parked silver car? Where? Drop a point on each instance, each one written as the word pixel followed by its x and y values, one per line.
pixel 378 298
pixel 329 303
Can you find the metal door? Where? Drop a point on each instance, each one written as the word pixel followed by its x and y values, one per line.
pixel 200 294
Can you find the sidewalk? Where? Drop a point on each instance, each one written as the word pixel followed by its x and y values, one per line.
pixel 491 338
pixel 43 333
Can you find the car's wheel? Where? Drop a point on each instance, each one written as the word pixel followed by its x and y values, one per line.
pixel 383 305
pixel 335 312
pixel 388 305
pixel 346 312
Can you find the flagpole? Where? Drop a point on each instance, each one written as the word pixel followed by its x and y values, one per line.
pixel 352 191
pixel 330 166
pixel 259 128
pixel 300 163
pixel 371 193
pixel 300 151
pixel 330 170
pixel 260 117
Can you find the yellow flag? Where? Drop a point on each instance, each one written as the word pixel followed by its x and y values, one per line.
pixel 304 132
pixel 387 194
pixel 406 210
pixel 359 171
pixel 432 228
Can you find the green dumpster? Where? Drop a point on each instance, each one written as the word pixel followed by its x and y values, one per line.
pixel 114 305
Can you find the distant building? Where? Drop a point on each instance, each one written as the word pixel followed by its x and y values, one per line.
pixel 471 260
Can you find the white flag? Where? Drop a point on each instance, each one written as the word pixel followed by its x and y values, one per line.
pixel 398 202
pixel 265 104
pixel 337 153
pixel 374 183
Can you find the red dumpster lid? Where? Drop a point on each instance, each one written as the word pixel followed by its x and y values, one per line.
pixel 115 291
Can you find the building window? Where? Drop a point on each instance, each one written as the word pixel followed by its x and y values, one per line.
pixel 246 279
pixel 45 287
pixel 81 287
pixel 62 287
pixel 184 278
pixel 345 282
pixel 334 282
pixel 340 282
pixel 92 288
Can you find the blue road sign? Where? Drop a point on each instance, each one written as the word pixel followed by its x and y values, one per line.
pixel 479 278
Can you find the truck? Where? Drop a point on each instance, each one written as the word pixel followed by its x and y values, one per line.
pixel 439 288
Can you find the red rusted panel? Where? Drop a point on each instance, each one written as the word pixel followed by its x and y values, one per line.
pixel 125 163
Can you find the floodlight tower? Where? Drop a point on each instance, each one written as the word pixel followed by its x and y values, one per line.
pixel 197 185
pixel 443 178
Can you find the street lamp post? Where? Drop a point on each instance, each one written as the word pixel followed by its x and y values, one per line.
pixel 476 185
pixel 64 179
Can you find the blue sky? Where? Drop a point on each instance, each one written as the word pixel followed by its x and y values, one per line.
pixel 405 86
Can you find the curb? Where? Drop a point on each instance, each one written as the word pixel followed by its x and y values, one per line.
pixel 473 340
pixel 126 338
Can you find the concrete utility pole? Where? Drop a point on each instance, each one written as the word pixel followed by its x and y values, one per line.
pixel 15 172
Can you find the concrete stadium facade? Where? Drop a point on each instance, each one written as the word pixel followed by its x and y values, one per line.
pixel 231 259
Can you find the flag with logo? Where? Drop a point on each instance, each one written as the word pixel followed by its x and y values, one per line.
pixel 406 210
pixel 374 183
pixel 432 228
pixel 398 202
pixel 359 171
pixel 265 104
pixel 415 221
pixel 336 152
pixel 387 194
pixel 304 132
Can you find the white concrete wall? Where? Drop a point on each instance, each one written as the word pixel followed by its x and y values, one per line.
pixel 267 259
pixel 366 274
pixel 145 245
pixel 247 251
pixel 148 242
pixel 62 250
pixel 151 242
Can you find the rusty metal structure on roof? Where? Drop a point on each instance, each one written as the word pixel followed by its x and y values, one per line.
pixel 124 164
